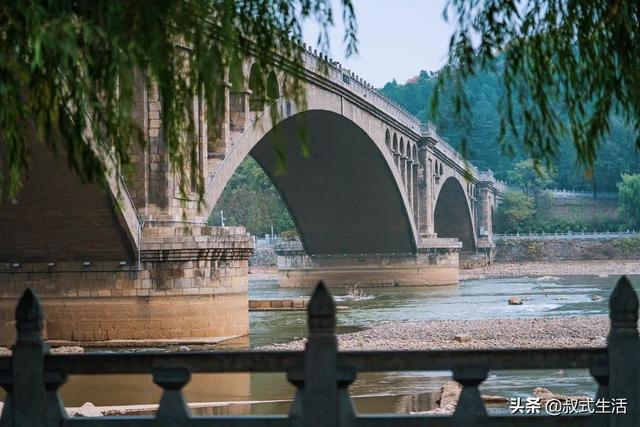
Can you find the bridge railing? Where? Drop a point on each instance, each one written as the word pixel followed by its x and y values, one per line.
pixel 321 373
pixel 356 84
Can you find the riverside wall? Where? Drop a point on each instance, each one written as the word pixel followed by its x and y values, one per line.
pixel 548 248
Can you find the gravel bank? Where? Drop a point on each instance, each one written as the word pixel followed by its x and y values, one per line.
pixel 560 268
pixel 547 332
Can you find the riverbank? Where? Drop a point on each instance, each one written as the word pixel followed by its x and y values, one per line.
pixel 601 268
pixel 539 332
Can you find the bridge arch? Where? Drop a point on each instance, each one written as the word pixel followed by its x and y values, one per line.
pixel 453 216
pixel 347 197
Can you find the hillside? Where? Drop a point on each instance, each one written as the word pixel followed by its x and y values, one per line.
pixel 617 154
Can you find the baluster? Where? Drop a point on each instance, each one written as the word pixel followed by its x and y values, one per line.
pixel 346 409
pixel 296 377
pixel 600 371
pixel 320 395
pixel 29 398
pixel 624 351
pixel 172 404
pixel 6 382
pixel 470 404
pixel 55 408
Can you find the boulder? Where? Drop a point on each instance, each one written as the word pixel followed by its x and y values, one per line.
pixel 87 410
pixel 462 338
pixel 544 394
pixel 515 301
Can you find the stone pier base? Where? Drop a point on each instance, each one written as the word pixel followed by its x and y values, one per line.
pixel 433 267
pixel 190 285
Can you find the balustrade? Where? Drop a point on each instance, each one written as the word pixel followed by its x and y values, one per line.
pixel 321 373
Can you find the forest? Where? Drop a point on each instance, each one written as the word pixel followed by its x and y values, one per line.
pixel 617 154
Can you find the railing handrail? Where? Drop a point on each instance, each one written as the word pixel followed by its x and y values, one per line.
pixel 577 234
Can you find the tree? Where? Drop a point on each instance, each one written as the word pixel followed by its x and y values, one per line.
pixel 530 180
pixel 67 70
pixel 629 199
pixel 516 211
pixel 251 200
pixel 583 56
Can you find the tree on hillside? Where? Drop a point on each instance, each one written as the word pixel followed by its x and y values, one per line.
pixel 578 58
pixel 629 199
pixel 515 212
pixel 67 68
pixel 531 180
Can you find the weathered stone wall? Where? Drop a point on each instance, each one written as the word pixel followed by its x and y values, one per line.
pixel 508 250
pixel 584 210
pixel 189 285
pixel 440 267
pixel 263 255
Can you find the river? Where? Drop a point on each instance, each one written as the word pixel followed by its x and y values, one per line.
pixel 380 392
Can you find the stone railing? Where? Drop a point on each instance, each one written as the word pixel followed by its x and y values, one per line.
pixel 321 373
pixel 315 61
pixel 580 194
pixel 567 235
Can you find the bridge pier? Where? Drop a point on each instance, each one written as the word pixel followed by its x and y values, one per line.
pixel 189 285
pixel 431 266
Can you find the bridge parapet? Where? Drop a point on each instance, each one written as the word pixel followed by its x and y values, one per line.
pixel 357 85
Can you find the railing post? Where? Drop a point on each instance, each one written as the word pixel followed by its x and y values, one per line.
pixel 320 395
pixel 29 396
pixel 624 352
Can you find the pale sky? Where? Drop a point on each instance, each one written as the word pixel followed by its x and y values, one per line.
pixel 397 39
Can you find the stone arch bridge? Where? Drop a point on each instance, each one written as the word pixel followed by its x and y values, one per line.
pixel 381 199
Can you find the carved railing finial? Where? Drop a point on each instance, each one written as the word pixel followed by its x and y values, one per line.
pixel 623 309
pixel 29 317
pixel 321 311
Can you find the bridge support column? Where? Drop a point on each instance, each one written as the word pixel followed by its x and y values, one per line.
pixel 425 186
pixel 190 285
pixel 429 267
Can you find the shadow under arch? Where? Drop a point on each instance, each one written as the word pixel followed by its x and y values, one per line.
pixel 344 197
pixel 452 216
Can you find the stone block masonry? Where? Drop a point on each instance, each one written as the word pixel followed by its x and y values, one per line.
pixel 567 249
pixel 190 284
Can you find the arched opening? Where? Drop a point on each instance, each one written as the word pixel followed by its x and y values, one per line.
pixel 396 153
pixel 257 88
pixel 237 96
pixel 273 88
pixel 343 196
pixel 387 140
pixel 215 110
pixel 403 161
pixel 452 217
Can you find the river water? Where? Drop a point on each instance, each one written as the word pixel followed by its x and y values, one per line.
pixel 379 392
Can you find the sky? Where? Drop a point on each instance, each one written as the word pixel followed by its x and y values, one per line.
pixel 397 39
